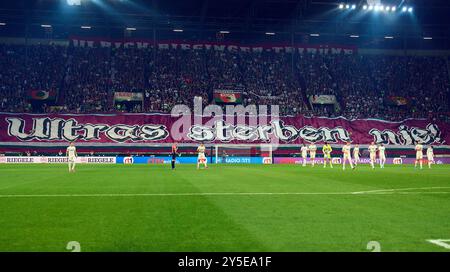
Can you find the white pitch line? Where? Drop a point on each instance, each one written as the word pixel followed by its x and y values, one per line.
pixel 399 189
pixel 441 242
pixel 210 194
pixel 172 194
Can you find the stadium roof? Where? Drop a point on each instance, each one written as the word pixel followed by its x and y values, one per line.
pixel 283 17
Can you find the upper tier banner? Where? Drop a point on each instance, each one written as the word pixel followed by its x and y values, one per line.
pixel 144 129
pixel 216 46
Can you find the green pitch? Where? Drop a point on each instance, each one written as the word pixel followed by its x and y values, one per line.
pixel 224 208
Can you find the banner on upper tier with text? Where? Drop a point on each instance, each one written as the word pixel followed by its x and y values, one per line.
pixel 214 46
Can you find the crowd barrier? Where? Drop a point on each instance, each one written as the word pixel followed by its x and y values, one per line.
pixel 43 159
pixel 183 160
pixel 168 159
pixel 338 160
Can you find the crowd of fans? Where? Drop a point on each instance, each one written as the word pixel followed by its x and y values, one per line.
pixel 86 79
pixel 365 84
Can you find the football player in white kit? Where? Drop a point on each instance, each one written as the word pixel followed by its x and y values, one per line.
pixel 71 154
pixel 346 151
pixel 356 154
pixel 201 159
pixel 312 153
pixel 382 155
pixel 430 156
pixel 373 154
pixel 304 150
pixel 419 155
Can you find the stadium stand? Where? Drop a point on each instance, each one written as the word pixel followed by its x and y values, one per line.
pixel 86 79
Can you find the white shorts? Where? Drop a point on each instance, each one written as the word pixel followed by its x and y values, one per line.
pixel 430 158
pixel 383 158
pixel 304 156
pixel 419 156
pixel 347 157
pixel 71 159
pixel 373 157
pixel 201 158
pixel 312 155
pixel 356 157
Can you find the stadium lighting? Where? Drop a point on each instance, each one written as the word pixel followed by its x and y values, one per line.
pixel 347 6
pixel 73 2
pixel 370 7
pixel 377 8
pixel 393 8
pixel 410 9
pixel 388 8
pixel 270 33
pixel 341 6
pixel 365 7
pixel 86 27
pixel 404 9
pixel 130 28
pixel 178 30
pixel 382 8
pixel 46 26
pixel 2 24
pixel 314 35
pixel 427 38
pixel 354 36
pixel 388 37
pixel 224 32
pixel 353 6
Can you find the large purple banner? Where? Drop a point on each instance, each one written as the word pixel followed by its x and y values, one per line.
pixel 138 129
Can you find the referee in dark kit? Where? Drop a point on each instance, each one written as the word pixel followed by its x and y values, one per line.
pixel 174 155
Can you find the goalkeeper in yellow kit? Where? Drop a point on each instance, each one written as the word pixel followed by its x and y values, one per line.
pixel 326 149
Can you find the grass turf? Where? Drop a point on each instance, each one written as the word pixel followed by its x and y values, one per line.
pixel 142 208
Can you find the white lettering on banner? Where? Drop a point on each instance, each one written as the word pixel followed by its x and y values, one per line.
pixel 128 160
pixel 69 130
pixel 406 136
pixel 267 160
pixel 397 161
pixel 58 129
pixel 336 160
pixel 51 160
pixel 310 49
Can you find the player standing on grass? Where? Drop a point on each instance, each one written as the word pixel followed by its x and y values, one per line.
pixel 356 154
pixel 71 154
pixel 201 159
pixel 430 156
pixel 382 155
pixel 304 150
pixel 419 155
pixel 326 149
pixel 312 153
pixel 373 154
pixel 174 155
pixel 346 151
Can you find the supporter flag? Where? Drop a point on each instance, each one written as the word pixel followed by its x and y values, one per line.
pixel 322 99
pixel 398 100
pixel 128 96
pixel 227 97
pixel 42 95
